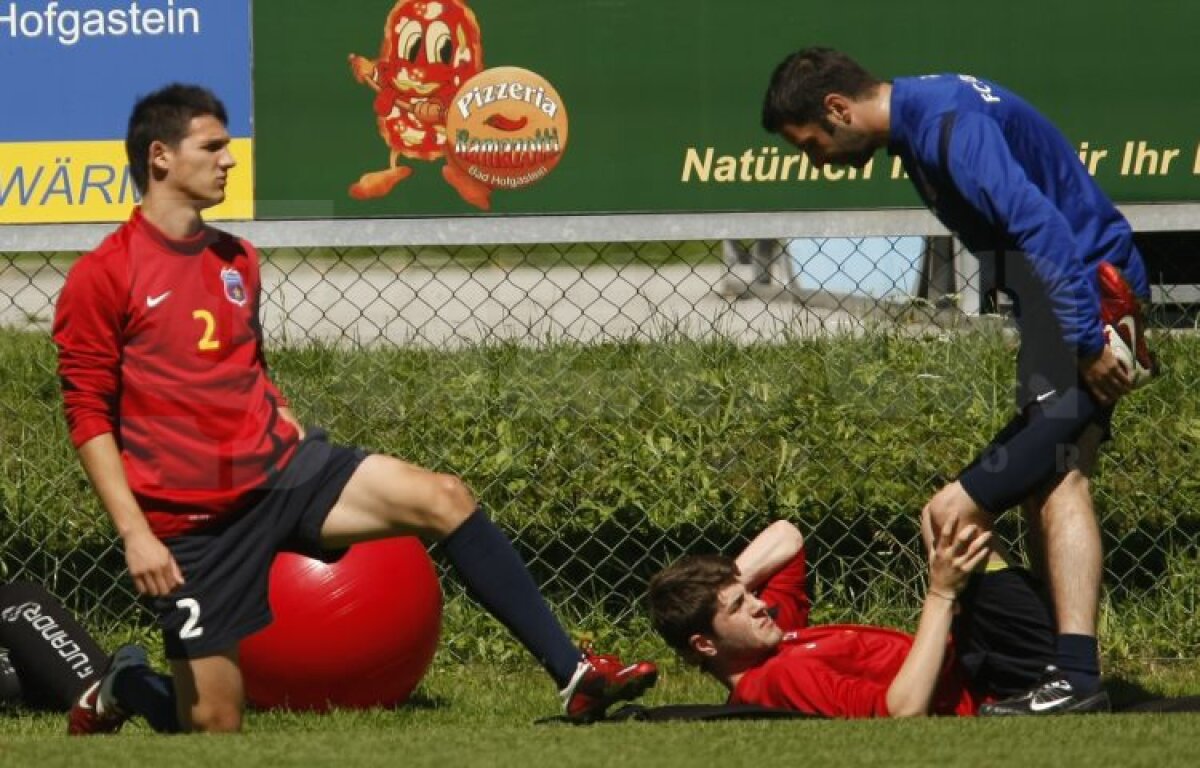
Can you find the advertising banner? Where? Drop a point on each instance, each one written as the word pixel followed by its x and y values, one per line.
pixel 71 72
pixel 463 107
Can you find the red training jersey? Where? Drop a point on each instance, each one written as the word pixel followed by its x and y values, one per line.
pixel 836 670
pixel 159 344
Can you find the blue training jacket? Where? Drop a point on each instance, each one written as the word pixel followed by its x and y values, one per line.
pixel 1005 178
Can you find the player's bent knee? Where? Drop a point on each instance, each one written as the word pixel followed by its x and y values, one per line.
pixel 937 510
pixel 1074 481
pixel 453 503
pixel 953 503
pixel 216 719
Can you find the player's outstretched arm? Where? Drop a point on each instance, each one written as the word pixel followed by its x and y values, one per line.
pixel 769 551
pixel 954 555
pixel 153 569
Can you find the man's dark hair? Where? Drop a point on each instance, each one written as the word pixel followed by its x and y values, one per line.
pixel 165 116
pixel 682 597
pixel 801 82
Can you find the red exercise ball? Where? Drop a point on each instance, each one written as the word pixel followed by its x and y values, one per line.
pixel 356 633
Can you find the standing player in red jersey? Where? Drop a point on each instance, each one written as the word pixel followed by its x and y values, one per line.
pixel 207 473
pixel 980 636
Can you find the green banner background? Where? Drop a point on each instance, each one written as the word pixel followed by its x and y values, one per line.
pixel 644 80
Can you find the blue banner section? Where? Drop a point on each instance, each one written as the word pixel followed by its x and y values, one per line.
pixel 73 69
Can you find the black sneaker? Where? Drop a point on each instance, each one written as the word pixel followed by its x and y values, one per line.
pixel 1053 696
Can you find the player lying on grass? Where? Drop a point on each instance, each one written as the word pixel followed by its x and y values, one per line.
pixel 982 636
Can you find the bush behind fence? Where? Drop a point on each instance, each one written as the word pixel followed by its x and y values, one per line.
pixel 612 433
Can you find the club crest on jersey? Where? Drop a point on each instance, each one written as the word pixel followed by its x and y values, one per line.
pixel 235 289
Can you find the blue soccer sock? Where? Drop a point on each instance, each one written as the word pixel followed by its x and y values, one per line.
pixel 497 578
pixel 142 691
pixel 1079 660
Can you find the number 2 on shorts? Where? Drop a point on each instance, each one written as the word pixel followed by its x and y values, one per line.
pixel 191 627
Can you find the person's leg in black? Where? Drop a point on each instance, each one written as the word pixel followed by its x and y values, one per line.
pixel 1004 634
pixel 52 654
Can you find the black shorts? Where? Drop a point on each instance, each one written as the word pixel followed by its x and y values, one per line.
pixel 1036 445
pixel 226 568
pixel 1054 406
pixel 1004 635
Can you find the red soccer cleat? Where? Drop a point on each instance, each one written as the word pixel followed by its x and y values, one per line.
pixel 1124 325
pixel 601 680
pixel 96 711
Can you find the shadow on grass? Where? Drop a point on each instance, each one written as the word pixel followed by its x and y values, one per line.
pixel 1126 693
pixel 1131 697
pixel 424 701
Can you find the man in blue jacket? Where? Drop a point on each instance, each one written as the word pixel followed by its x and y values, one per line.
pixel 1002 178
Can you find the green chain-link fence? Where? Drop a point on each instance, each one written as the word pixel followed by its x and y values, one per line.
pixel 617 404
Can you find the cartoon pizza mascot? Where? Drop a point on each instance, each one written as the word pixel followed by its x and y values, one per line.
pixel 430 48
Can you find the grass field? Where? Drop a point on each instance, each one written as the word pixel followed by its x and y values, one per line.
pixel 528 431
pixel 481 715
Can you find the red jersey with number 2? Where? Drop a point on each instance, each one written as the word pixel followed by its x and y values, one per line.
pixel 836 670
pixel 160 344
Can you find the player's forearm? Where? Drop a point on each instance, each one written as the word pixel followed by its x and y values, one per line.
pixel 911 692
pixel 287 415
pixel 101 461
pixel 772 549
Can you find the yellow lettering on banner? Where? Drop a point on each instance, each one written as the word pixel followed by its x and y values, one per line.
pixel 75 181
pixel 1140 159
pixel 765 165
pixel 1091 157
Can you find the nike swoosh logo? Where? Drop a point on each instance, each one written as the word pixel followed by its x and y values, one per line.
pixel 1041 706
pixel 1130 328
pixel 85 702
pixel 154 301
